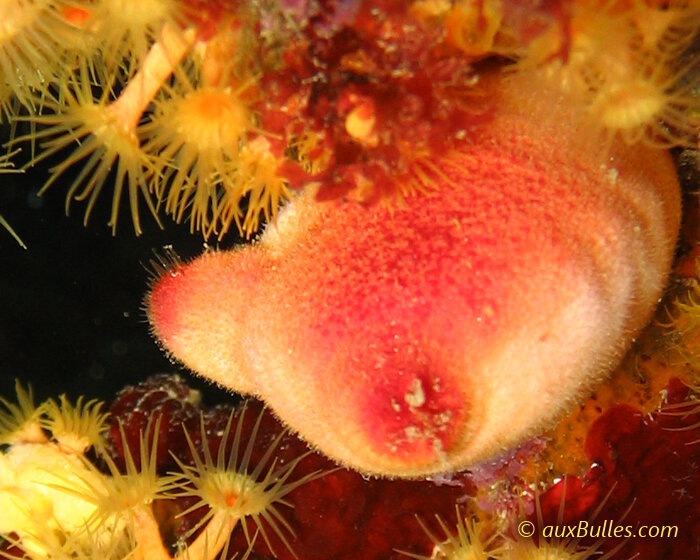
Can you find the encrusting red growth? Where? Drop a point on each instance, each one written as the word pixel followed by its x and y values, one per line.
pixel 428 336
pixel 646 465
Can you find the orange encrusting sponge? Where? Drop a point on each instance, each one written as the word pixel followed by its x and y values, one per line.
pixel 422 337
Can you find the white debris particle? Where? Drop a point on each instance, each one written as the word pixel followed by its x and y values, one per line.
pixel 613 174
pixel 416 396
pixel 412 432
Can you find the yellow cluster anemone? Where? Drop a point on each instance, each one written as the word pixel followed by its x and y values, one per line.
pixel 7 167
pixel 44 485
pixel 34 37
pixel 682 325
pixel 234 489
pixel 124 500
pixel 141 101
pixel 197 137
pixel 554 547
pixel 104 129
pixel 687 409
pixel 122 31
pixel 20 421
pixel 473 27
pixel 473 540
pixel 214 163
pixel 90 48
pixel 682 337
pixel 102 140
pixel 78 427
pixel 626 64
pixel 260 185
pixel 57 503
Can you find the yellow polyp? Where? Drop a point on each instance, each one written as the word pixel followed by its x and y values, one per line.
pixel 55 503
pixel 553 547
pixel 104 143
pixel 469 540
pixel 666 25
pixel 422 176
pixel 628 106
pixel 651 102
pixel 681 323
pixel 308 149
pixel 195 138
pixel 227 57
pixel 33 39
pixel 104 133
pixel 76 427
pixel 123 31
pixel 360 124
pixel 140 485
pixel 430 9
pixel 258 181
pixel 233 488
pixel 472 25
pixel 623 65
pixel 44 493
pixel 20 422
pixel 162 59
pixel 215 108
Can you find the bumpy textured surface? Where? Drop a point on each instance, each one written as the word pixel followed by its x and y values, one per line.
pixel 427 336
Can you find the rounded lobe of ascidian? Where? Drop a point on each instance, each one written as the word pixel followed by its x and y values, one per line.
pixel 426 337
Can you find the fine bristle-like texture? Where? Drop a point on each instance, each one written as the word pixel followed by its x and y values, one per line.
pixel 236 488
pixel 34 38
pixel 20 421
pixel 630 67
pixel 424 337
pixel 101 142
pixel 468 540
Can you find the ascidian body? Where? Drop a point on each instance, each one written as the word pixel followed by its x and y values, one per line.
pixel 420 338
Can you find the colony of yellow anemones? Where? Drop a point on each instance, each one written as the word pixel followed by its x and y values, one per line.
pixel 133 87
pixel 57 502
pixel 106 96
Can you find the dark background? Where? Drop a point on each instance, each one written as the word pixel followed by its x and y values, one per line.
pixel 70 304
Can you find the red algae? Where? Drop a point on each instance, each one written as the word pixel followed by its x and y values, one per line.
pixel 647 466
